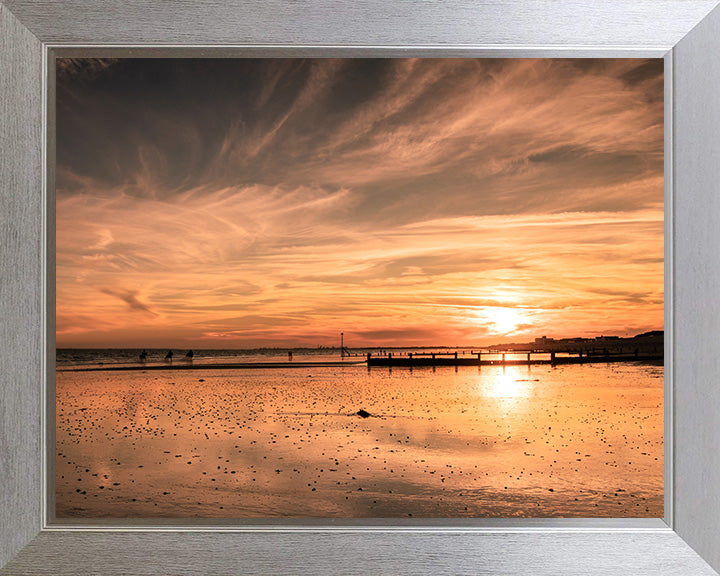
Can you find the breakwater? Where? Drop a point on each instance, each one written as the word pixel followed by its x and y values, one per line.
pixel 494 359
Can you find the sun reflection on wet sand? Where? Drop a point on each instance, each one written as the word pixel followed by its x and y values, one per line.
pixel 565 441
pixel 506 382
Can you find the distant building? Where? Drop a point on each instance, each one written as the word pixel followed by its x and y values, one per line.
pixel 652 334
pixel 643 344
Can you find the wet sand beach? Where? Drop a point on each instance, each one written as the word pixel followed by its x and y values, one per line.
pixel 530 441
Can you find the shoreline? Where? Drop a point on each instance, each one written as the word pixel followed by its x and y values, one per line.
pixel 236 365
pixel 380 361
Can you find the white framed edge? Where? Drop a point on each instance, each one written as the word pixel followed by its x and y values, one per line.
pixel 685 32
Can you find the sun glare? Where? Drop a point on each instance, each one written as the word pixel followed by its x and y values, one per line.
pixel 507 384
pixel 503 320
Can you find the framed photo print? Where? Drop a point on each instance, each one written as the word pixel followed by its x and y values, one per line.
pixel 359 287
pixel 434 294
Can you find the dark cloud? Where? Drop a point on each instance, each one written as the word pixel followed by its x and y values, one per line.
pixel 130 298
pixel 254 321
pixel 397 334
pixel 80 71
pixel 559 153
pixel 395 132
pixel 647 70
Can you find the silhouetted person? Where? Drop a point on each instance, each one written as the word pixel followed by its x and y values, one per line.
pixel 169 355
pixel 189 355
pixel 290 355
pixel 143 356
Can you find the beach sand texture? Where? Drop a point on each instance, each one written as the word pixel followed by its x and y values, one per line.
pixel 539 441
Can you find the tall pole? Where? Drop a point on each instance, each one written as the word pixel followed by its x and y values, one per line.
pixel 342 346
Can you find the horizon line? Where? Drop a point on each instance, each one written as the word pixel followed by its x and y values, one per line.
pixel 372 346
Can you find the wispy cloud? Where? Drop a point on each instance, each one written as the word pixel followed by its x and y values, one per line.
pixel 284 201
pixel 130 298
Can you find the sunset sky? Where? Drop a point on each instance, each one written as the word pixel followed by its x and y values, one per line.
pixel 260 202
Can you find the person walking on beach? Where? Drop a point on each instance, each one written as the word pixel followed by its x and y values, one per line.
pixel 169 355
pixel 143 356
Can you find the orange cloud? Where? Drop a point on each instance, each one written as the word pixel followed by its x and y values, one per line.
pixel 401 202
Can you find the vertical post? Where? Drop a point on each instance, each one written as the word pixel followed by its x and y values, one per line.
pixel 528 357
pixel 342 346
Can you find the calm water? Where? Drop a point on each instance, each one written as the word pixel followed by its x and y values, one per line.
pixel 576 440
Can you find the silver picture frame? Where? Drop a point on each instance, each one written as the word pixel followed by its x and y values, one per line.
pixel 686 33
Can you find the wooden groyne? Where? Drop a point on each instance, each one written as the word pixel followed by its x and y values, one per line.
pixel 497 359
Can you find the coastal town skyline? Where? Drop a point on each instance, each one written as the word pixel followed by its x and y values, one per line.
pixel 235 204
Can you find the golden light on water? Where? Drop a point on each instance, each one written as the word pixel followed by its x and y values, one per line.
pixel 476 442
pixel 509 383
pixel 509 389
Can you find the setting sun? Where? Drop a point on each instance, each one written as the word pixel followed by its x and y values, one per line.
pixel 504 320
